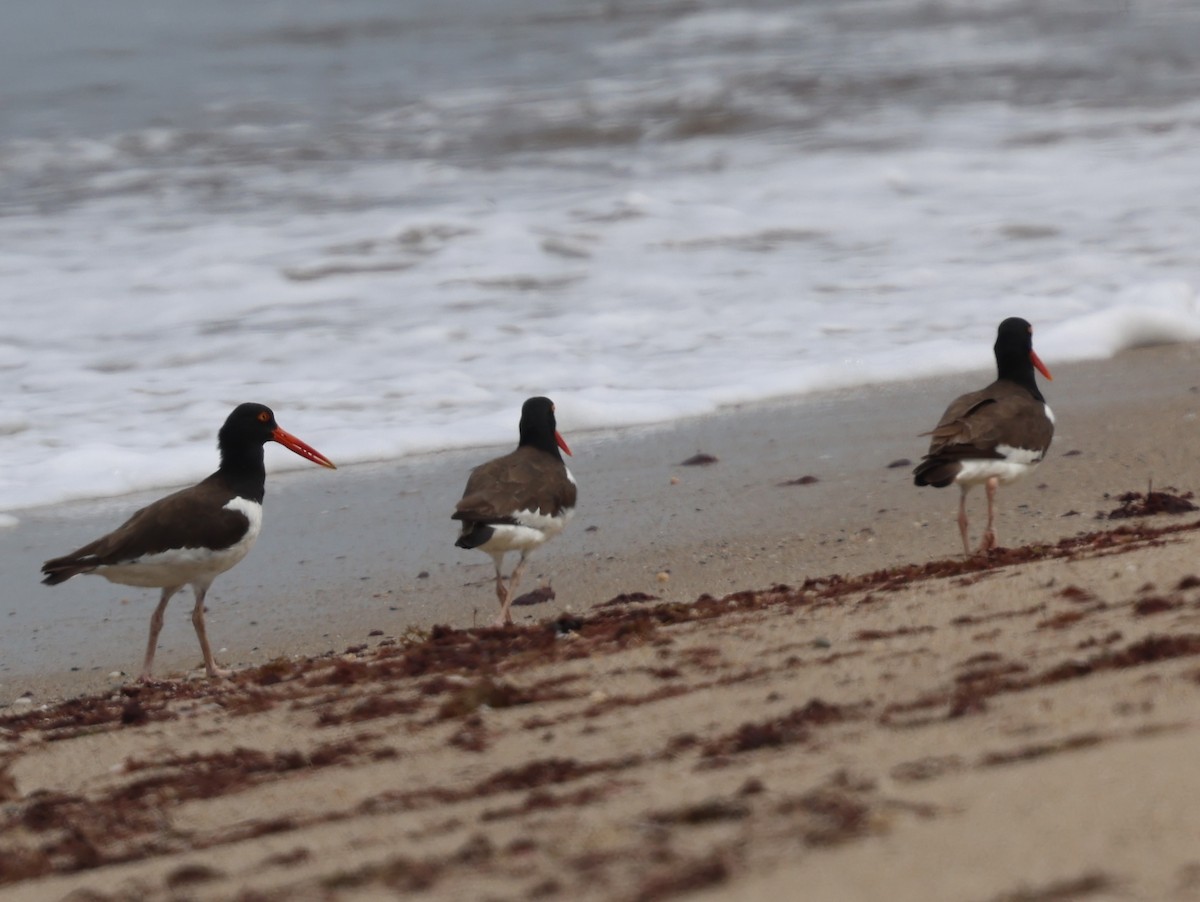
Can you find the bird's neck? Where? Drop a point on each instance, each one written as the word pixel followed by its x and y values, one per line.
pixel 243 471
pixel 1020 371
pixel 545 446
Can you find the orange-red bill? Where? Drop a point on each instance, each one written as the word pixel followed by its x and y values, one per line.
pixel 305 450
pixel 1041 367
pixel 562 443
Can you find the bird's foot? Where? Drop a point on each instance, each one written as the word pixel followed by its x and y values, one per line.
pixel 502 620
pixel 988 542
pixel 218 673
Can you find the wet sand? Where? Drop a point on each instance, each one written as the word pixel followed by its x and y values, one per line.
pixel 370 547
pixel 820 694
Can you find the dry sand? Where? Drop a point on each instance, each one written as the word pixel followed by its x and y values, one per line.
pixel 872 718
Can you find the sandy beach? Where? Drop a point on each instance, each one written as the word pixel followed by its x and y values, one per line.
pixel 746 685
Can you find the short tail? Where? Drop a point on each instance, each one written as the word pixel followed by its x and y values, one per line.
pixel 474 535
pixel 61 569
pixel 936 471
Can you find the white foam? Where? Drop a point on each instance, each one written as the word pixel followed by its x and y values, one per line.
pixel 388 304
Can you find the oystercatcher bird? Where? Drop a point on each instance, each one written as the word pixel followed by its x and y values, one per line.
pixel 194 535
pixel 520 501
pixel 993 436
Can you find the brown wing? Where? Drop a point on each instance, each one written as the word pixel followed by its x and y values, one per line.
pixel 526 479
pixel 194 517
pixel 1004 413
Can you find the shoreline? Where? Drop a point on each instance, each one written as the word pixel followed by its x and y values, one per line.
pixel 962 729
pixel 342 556
pixel 806 701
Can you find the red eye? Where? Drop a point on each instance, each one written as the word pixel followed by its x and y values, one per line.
pixel 264 417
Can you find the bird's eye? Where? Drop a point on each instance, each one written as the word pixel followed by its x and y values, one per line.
pixel 264 417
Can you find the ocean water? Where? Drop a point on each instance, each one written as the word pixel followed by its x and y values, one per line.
pixel 394 222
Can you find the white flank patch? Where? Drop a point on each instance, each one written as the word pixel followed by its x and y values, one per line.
pixel 181 566
pixel 1017 462
pixel 1049 413
pixel 533 528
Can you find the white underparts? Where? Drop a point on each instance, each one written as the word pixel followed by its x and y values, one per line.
pixel 181 566
pixel 1017 462
pixel 533 528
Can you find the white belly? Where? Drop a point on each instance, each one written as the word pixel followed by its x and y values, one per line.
pixel 531 530
pixel 183 566
pixel 1018 463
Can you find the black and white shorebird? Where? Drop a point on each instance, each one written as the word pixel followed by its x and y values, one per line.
pixel 993 436
pixel 195 534
pixel 520 501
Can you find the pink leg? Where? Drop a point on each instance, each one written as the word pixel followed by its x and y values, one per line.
pixel 962 520
pixel 989 534
pixel 156 622
pixel 505 617
pixel 210 664
pixel 498 560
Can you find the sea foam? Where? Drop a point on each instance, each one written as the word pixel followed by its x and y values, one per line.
pixel 708 209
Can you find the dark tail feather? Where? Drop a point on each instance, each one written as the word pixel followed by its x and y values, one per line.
pixel 474 535
pixel 937 472
pixel 61 569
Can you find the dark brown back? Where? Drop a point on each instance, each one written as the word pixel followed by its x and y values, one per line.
pixel 526 479
pixel 1004 413
pixel 194 517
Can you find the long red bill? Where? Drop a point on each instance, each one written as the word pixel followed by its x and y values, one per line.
pixel 1041 367
pixel 305 450
pixel 562 443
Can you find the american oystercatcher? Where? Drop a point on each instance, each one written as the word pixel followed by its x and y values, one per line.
pixel 519 501
pixel 993 436
pixel 193 535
